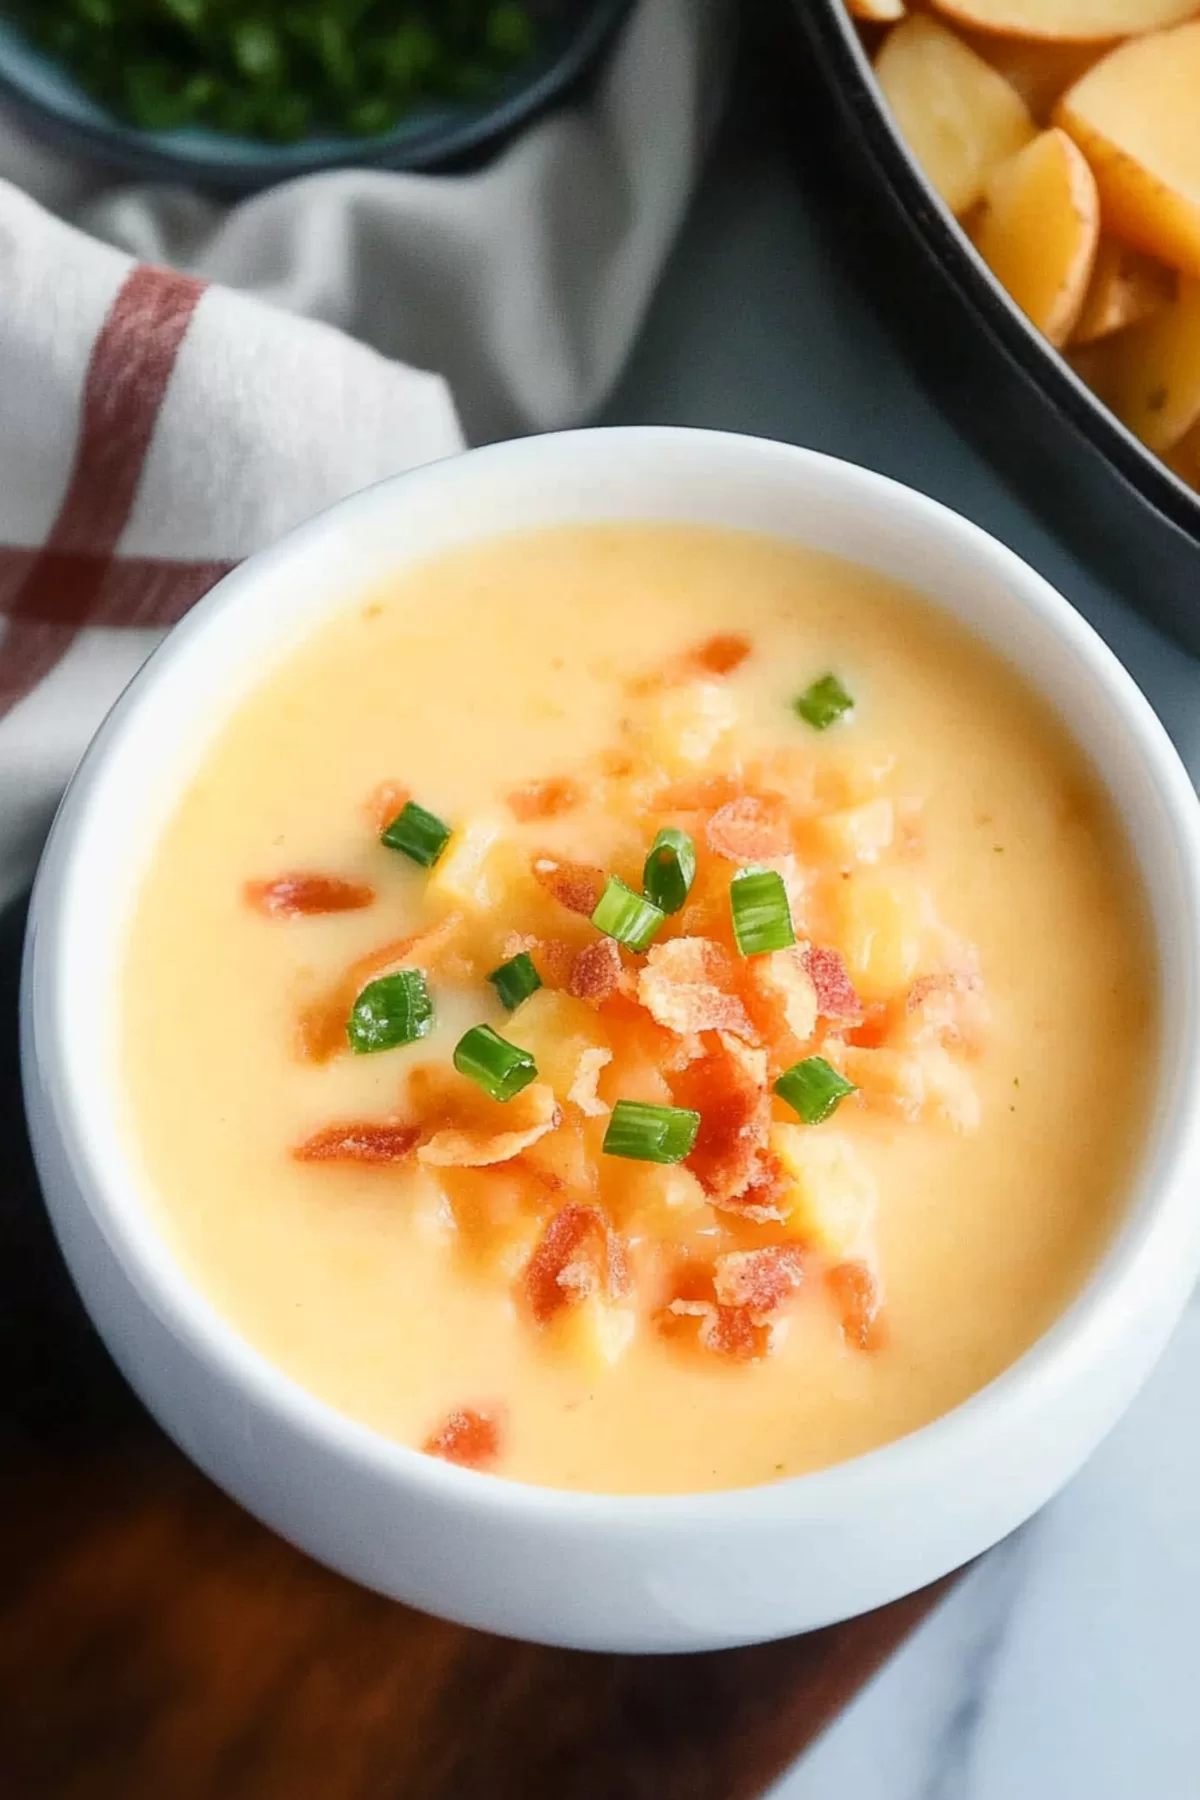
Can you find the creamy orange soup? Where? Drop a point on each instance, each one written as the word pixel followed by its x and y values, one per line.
pixel 901 1066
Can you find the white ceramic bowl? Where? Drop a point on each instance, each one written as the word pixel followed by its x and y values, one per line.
pixel 662 1573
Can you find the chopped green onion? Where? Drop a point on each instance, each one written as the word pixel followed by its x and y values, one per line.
pixel 656 1134
pixel 515 980
pixel 418 834
pixel 501 1069
pixel 813 1089
pixel 670 870
pixel 823 702
pixel 762 918
pixel 626 916
pixel 394 1010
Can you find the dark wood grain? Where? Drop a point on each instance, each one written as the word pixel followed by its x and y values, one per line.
pixel 156 1643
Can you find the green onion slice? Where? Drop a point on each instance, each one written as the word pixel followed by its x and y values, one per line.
pixel 418 834
pixel 762 918
pixel 389 1012
pixel 813 1089
pixel 670 870
pixel 501 1069
pixel 824 702
pixel 656 1134
pixel 515 980
pixel 626 916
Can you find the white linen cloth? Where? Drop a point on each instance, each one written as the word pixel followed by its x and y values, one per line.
pixel 182 381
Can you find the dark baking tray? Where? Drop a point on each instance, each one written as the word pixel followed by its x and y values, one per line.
pixel 1114 504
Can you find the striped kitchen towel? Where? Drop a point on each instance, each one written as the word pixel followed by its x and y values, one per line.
pixel 180 383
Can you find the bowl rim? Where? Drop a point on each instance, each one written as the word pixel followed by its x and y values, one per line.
pixel 1052 1363
pixel 943 238
pixel 224 160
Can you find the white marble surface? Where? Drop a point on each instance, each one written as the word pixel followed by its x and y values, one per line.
pixel 1064 1665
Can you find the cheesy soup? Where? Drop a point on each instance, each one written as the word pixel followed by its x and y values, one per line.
pixel 640 1009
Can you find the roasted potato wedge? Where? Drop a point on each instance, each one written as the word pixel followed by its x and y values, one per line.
pixel 958 116
pixel 1038 228
pixel 1153 377
pixel 1127 286
pixel 1067 21
pixel 1136 117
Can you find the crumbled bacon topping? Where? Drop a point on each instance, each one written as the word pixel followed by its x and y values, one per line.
pixel 702 793
pixel 553 958
pixel 495 1136
pixel 579 1255
pixel 583 1091
pixel 836 998
pixel 575 885
pixel 857 1297
pixel 596 972
pixel 781 993
pixel 760 1280
pixel 728 1088
pixel 753 828
pixel 386 803
pixel 722 654
pixel 685 984
pixel 362 1143
pixel 299 895
pixel 322 1027
pixel 467 1437
pixel 545 799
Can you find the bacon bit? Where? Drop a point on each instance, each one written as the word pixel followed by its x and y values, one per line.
pixel 836 998
pixel 703 794
pixel 575 885
pixel 782 992
pixel 722 654
pixel 858 1299
pixel 875 1027
pixel 760 1200
pixel 728 1088
pixel 948 1009
pixel 479 1144
pixel 684 988
pixel 386 803
pixel 750 829
pixel 298 896
pixel 596 973
pixel 726 1330
pixel 760 1280
pixel 583 1091
pixel 361 1143
pixel 322 1028
pixel 579 1254
pixel 553 958
pixel 545 799
pixel 466 1437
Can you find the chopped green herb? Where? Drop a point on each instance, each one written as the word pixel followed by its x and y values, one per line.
pixel 626 916
pixel 813 1089
pixel 824 702
pixel 670 870
pixel 762 918
pixel 418 834
pixel 278 69
pixel 389 1012
pixel 515 980
pixel 501 1069
pixel 657 1134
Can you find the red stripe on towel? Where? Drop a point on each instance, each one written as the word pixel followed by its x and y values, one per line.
pixel 69 578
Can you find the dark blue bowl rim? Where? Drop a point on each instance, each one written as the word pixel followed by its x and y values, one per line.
pixel 431 137
pixel 827 23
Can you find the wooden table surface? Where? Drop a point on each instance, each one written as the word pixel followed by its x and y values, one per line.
pixel 156 1643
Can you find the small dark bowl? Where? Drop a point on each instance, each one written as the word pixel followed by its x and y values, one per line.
pixel 1116 505
pixel 53 104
